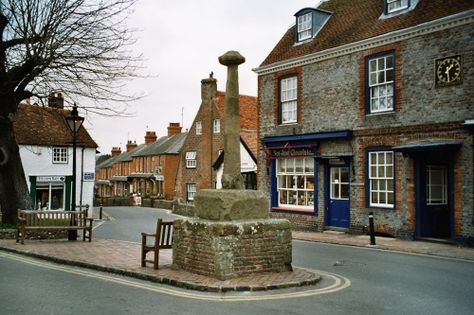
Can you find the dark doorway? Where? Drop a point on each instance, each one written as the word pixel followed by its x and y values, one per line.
pixel 434 197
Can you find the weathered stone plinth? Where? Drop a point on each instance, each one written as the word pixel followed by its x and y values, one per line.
pixel 232 249
pixel 231 204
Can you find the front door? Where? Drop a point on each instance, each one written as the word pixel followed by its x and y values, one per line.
pixel 338 209
pixel 434 212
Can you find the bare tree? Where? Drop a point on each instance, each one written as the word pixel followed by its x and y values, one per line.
pixel 79 47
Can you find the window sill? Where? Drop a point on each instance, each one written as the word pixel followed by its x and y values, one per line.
pixel 294 210
pixel 388 112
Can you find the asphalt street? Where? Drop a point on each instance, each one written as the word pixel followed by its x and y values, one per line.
pixel 381 283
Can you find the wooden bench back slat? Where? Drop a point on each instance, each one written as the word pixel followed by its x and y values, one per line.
pixel 54 220
pixel 163 239
pixel 166 235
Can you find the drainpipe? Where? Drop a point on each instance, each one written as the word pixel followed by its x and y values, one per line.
pixel 82 177
pixel 469 125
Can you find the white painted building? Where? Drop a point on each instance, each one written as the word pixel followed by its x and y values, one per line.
pixel 248 166
pixel 45 143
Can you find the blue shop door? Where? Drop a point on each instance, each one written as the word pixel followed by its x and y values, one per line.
pixel 338 209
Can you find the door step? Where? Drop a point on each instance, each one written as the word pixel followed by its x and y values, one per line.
pixel 335 230
pixel 435 240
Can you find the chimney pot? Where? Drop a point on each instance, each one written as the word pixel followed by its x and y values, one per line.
pixel 174 129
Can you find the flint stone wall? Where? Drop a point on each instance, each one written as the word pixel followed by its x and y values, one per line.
pixel 232 249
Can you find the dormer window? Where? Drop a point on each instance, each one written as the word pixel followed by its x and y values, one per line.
pixel 304 27
pixel 308 23
pixel 396 5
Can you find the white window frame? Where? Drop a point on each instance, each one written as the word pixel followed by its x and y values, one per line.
pixel 190 191
pixel 442 186
pixel 198 127
pixel 191 159
pixel 295 177
pixel 289 100
pixel 336 181
pixel 60 155
pixel 381 179
pixel 216 125
pixel 305 26
pixel 381 82
pixel 396 5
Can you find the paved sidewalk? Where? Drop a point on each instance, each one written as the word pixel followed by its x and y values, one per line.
pixel 387 243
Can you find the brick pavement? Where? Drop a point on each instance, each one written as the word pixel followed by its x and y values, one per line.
pixel 124 258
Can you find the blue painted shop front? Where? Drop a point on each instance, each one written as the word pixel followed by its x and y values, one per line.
pixel 295 163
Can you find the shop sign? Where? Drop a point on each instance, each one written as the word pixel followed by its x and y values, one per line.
pixel 48 179
pixel 294 152
pixel 88 176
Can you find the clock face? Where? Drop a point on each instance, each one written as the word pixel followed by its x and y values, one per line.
pixel 448 71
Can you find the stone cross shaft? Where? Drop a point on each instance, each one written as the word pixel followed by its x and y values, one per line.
pixel 232 178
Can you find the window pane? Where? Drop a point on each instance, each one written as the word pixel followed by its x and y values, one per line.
pixel 345 191
pixel 344 174
pixel 290 166
pixel 335 191
pixel 389 61
pixel 299 165
pixel 373 65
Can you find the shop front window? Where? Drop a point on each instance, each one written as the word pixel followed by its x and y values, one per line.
pixel 50 196
pixel 295 182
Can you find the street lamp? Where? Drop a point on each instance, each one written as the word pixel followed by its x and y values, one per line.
pixel 74 122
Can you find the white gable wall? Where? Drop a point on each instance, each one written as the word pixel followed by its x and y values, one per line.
pixel 38 161
pixel 246 165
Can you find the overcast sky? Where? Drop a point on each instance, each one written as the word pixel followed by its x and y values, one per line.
pixel 181 41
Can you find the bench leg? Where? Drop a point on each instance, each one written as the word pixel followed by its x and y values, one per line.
pixel 157 257
pixel 143 251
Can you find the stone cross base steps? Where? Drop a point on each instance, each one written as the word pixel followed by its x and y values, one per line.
pixel 230 249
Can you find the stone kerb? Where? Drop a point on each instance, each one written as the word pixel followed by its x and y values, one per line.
pixel 230 249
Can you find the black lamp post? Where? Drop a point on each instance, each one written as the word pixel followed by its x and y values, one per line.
pixel 74 122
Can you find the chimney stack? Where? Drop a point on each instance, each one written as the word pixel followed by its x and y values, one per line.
pixel 150 137
pixel 56 100
pixel 116 151
pixel 131 145
pixel 208 87
pixel 174 129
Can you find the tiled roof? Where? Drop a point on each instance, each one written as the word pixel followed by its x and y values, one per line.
pixel 164 145
pixel 38 125
pixel 107 163
pixel 247 109
pixel 356 20
pixel 128 156
pixel 250 138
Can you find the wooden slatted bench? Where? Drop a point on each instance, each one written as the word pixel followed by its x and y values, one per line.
pixel 53 220
pixel 163 239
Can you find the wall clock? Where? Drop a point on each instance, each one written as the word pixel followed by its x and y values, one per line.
pixel 448 71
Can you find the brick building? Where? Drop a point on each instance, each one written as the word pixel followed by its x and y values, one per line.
pixel 366 106
pixel 148 169
pixel 155 167
pixel 202 155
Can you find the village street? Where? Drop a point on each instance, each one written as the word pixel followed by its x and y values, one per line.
pixel 380 282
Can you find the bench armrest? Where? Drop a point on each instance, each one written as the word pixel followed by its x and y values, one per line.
pixel 148 234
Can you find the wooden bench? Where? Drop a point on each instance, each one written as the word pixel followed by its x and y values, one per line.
pixel 53 220
pixel 163 238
